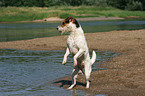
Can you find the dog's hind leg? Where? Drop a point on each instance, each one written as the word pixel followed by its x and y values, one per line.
pixel 88 70
pixel 74 76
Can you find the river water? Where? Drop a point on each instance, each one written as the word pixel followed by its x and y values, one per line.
pixel 30 73
pixel 21 31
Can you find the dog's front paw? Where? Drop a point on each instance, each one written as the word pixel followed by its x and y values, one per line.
pixel 75 63
pixel 64 62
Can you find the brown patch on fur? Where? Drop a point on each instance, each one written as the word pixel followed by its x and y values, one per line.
pixel 68 20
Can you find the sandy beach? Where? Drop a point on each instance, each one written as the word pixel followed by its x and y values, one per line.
pixel 125 73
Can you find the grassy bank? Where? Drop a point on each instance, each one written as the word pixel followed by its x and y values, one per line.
pixel 11 14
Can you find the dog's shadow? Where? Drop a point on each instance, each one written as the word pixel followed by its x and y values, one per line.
pixel 62 83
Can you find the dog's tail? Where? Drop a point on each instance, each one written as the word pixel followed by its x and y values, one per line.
pixel 93 59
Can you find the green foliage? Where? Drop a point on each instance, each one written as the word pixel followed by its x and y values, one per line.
pixel 121 4
pixel 47 3
pixel 127 4
pixel 118 3
pixel 134 5
pixel 101 3
pixel 27 3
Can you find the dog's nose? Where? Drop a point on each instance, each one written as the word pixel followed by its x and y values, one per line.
pixel 57 28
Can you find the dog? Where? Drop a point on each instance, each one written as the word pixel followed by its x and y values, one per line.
pixel 77 46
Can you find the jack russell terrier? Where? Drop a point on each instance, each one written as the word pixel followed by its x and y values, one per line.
pixel 77 46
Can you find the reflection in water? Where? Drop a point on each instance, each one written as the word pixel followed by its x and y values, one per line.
pixel 29 73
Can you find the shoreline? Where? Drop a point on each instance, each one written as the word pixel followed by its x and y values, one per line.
pixel 56 19
pixel 125 73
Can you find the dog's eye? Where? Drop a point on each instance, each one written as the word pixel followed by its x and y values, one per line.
pixel 66 21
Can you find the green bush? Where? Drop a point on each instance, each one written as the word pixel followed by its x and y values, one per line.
pixel 101 3
pixel 121 4
pixel 134 5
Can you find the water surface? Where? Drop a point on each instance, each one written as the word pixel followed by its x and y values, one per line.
pixel 30 73
pixel 21 31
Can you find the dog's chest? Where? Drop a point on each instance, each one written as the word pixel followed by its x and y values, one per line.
pixel 72 45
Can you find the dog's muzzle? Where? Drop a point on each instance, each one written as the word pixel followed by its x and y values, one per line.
pixel 57 28
pixel 60 29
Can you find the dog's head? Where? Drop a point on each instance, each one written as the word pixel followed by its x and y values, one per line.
pixel 68 25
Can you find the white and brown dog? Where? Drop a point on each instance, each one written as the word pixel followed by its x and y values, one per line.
pixel 77 46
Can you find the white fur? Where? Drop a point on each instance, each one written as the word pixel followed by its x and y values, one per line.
pixel 77 46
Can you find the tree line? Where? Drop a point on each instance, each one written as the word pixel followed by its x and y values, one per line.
pixel 121 4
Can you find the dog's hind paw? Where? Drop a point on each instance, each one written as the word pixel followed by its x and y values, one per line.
pixel 71 86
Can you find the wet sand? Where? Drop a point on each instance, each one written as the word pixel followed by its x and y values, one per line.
pixel 125 74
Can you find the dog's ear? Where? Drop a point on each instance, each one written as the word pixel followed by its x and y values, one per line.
pixel 77 23
pixel 68 19
pixel 71 19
